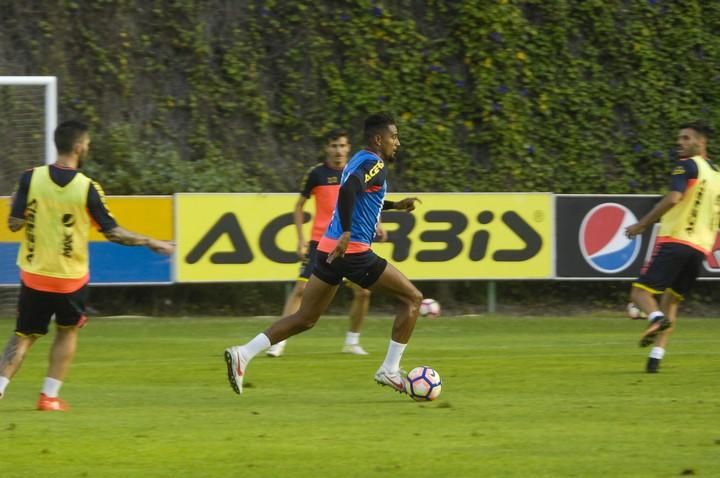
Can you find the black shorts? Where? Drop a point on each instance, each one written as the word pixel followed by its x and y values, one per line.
pixel 364 268
pixel 672 266
pixel 308 262
pixel 36 308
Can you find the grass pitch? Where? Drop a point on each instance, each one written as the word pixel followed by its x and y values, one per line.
pixel 522 397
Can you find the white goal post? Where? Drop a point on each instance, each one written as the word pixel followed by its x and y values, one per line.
pixel 50 84
pixel 28 114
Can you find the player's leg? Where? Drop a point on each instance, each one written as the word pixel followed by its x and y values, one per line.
pixel 655 278
pixel 292 304
pixel 669 304
pixel 393 282
pixel 644 298
pixel 12 357
pixel 35 308
pixel 358 310
pixel 317 297
pixel 62 354
pixel 69 317
pixel 688 263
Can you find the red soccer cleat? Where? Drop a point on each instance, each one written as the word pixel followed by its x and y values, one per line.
pixel 51 404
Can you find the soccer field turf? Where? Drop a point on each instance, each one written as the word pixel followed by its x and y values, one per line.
pixel 522 397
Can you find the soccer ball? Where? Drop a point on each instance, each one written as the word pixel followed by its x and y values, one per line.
pixel 634 312
pixel 429 308
pixel 424 383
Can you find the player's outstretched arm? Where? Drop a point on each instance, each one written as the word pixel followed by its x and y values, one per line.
pixel 407 204
pixel 666 203
pixel 14 223
pixel 120 235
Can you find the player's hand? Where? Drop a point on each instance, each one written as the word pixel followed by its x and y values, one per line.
pixel 301 248
pixel 340 247
pixel 380 234
pixel 407 204
pixel 161 247
pixel 634 230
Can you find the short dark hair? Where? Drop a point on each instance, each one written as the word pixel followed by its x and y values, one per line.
pixel 68 134
pixel 336 133
pixel 699 127
pixel 376 124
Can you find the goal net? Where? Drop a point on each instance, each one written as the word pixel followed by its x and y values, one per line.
pixel 28 119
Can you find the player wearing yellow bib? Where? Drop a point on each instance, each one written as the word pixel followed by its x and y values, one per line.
pixel 689 215
pixel 56 205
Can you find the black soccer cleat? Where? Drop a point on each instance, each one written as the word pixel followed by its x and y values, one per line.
pixel 653 365
pixel 656 326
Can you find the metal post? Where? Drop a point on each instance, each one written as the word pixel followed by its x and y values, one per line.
pixel 491 297
pixel 288 289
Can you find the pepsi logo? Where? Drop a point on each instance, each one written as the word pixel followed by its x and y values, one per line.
pixel 602 239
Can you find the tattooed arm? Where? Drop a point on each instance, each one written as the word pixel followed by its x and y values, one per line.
pixel 16 218
pixel 122 236
pixel 113 232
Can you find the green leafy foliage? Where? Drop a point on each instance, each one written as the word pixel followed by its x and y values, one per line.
pixel 501 95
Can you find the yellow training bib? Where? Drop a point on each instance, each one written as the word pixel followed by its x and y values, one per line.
pixel 57 227
pixel 695 218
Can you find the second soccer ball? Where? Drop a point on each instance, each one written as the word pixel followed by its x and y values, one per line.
pixel 634 312
pixel 429 308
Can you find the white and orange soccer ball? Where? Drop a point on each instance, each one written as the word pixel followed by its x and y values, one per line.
pixel 424 383
pixel 429 308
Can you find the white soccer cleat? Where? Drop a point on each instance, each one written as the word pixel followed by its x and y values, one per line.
pixel 354 349
pixel 277 349
pixel 395 380
pixel 236 366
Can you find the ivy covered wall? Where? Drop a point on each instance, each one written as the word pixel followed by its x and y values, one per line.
pixel 566 96
pixel 504 95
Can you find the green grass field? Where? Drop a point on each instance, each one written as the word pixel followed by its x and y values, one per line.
pixel 522 397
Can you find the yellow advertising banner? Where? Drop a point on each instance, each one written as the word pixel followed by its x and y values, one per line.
pixel 251 237
pixel 149 215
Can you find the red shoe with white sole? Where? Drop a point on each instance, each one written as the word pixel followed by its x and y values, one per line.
pixel 51 404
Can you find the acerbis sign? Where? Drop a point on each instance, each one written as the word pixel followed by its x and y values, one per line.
pixel 250 237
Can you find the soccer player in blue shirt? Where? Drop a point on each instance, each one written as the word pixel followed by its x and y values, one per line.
pixel 344 252
pixel 323 183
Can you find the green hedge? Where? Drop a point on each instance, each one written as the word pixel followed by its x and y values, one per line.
pixel 552 95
